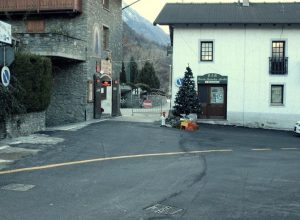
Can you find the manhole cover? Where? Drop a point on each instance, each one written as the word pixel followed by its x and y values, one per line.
pixel 164 209
pixel 18 187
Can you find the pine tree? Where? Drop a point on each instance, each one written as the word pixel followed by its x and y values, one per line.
pixel 148 76
pixel 133 68
pixel 186 100
pixel 123 74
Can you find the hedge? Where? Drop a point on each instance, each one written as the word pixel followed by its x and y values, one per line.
pixel 30 87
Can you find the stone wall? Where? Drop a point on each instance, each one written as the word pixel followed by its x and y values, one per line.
pixel 53 44
pixel 25 124
pixel 68 100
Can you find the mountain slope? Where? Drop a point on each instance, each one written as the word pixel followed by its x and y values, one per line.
pixel 144 27
pixel 142 49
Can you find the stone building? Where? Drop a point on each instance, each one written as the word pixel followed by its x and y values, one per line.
pixel 83 38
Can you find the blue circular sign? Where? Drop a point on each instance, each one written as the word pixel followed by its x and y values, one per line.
pixel 5 76
pixel 179 82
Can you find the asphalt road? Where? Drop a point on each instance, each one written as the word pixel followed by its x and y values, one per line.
pixel 124 170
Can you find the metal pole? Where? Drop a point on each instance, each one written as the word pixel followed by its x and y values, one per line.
pixel 161 104
pixel 4 55
pixel 131 104
pixel 170 88
pixel 127 6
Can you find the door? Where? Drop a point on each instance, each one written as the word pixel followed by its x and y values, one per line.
pixel 213 99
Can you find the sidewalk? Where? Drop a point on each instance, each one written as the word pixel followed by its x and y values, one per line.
pixel 10 150
pixel 145 117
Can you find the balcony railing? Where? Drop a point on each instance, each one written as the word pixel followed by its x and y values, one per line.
pixel 278 65
pixel 53 45
pixel 40 6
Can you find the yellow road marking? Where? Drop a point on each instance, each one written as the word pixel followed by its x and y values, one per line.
pixel 108 158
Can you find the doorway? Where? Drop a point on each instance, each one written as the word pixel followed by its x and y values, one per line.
pixel 213 99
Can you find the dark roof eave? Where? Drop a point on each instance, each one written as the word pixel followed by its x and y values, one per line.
pixel 221 23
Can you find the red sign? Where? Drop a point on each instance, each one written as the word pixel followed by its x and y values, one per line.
pixel 147 104
pixel 106 83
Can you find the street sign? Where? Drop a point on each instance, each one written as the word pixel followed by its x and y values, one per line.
pixel 147 104
pixel 5 33
pixel 5 76
pixel 106 83
pixel 179 82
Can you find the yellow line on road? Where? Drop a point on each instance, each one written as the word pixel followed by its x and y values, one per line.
pixel 108 158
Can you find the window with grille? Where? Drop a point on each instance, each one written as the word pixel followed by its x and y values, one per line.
pixel 278 61
pixel 206 51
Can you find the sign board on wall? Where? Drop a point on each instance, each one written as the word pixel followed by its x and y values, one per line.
pixel 106 67
pixel 212 78
pixel 5 33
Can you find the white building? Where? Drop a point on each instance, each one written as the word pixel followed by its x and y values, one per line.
pixel 245 59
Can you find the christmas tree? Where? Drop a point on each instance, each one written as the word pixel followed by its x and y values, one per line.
pixel 186 100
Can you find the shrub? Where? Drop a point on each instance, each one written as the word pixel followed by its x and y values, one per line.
pixel 35 76
pixel 10 102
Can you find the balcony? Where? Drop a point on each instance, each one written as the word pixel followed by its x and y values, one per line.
pixel 53 45
pixel 40 6
pixel 278 65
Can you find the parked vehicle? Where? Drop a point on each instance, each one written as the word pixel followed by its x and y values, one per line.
pixel 297 127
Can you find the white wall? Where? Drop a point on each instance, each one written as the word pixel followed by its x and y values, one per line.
pixel 107 103
pixel 242 54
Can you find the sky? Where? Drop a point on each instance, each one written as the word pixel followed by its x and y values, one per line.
pixel 151 8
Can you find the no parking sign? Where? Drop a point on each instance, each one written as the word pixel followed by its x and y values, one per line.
pixel 5 76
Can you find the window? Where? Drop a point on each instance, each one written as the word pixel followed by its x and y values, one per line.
pixel 105 38
pixel 216 95
pixel 278 61
pixel 106 4
pixel 35 26
pixel 206 51
pixel 277 92
pixel 278 49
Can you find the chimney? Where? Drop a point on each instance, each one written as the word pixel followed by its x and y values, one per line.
pixel 246 3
